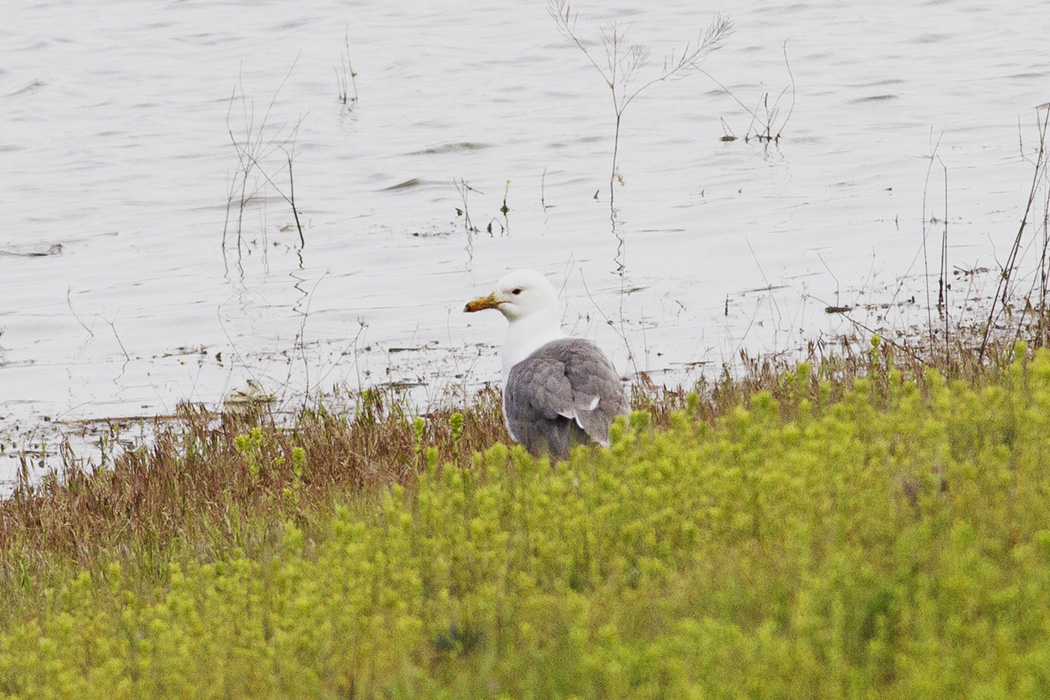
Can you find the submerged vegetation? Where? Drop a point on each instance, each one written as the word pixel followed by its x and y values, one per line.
pixel 861 525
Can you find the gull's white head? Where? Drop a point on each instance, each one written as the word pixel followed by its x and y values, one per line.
pixel 520 294
pixel 528 301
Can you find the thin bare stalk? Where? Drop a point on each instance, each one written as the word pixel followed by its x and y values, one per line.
pixel 771 113
pixel 291 201
pixel 925 233
pixel 944 281
pixel 1000 298
pixel 623 63
pixel 345 85
pixel 254 148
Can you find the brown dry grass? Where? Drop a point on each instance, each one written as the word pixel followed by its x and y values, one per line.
pixel 194 484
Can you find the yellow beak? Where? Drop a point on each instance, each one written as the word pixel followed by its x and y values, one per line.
pixel 489 302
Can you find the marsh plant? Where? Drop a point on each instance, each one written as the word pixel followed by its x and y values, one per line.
pixel 496 224
pixel 623 66
pixel 767 119
pixel 1017 308
pixel 263 152
pixel 1035 298
pixel 346 77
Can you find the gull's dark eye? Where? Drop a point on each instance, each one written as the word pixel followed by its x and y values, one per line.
pixel 516 290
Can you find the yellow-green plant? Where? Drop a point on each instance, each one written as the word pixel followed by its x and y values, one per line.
pixel 893 544
pixel 291 493
pixel 249 446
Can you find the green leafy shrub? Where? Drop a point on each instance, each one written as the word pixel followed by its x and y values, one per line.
pixel 894 543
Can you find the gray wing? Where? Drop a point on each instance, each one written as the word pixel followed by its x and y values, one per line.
pixel 566 392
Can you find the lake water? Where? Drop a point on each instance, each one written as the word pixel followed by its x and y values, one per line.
pixel 133 279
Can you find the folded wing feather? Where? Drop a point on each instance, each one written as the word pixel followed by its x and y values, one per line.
pixel 564 393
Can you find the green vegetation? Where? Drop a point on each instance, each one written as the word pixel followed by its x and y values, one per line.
pixel 824 533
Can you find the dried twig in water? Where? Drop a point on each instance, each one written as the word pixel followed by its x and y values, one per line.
pixel 291 200
pixel 73 311
pixel 925 232
pixel 252 153
pixel 347 72
pixel 622 64
pixel 113 327
pixel 766 133
pixel 1039 175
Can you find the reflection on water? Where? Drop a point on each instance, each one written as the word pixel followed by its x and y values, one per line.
pixel 134 144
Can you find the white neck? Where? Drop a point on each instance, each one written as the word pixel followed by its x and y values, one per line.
pixel 525 336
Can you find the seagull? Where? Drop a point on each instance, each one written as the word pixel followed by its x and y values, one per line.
pixel 558 391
